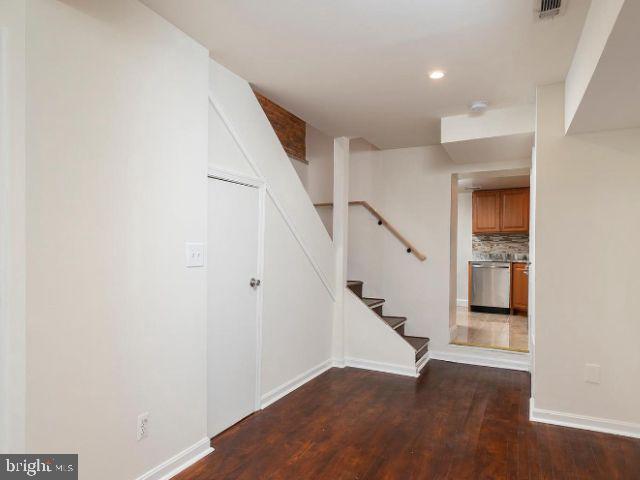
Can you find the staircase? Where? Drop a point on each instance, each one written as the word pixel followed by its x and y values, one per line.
pixel 419 344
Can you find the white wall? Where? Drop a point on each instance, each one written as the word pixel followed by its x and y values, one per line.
pixel 316 175
pixel 298 312
pixel 12 226
pixel 302 169
pixel 496 122
pixel 116 165
pixel 320 168
pixel 586 239
pixel 598 26
pixel 464 246
pixel 412 188
pixel 371 341
pixel 238 107
pixel 319 177
pixel 298 309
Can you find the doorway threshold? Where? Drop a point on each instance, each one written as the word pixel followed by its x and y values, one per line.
pixel 483 356
pixel 490 347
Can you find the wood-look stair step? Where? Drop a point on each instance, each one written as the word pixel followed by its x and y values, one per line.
pixel 355 286
pixel 373 302
pixel 420 344
pixel 394 322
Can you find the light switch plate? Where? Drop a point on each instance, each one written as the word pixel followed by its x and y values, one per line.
pixel 194 254
pixel 592 373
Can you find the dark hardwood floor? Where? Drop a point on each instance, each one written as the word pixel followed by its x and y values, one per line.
pixel 454 422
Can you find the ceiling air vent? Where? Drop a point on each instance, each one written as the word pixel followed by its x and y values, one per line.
pixel 549 8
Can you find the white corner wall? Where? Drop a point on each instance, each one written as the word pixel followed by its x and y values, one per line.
pixel 297 307
pixel 317 175
pixel 320 173
pixel 464 246
pixel 320 169
pixel 496 122
pixel 586 301
pixel 12 226
pixel 371 343
pixel 412 188
pixel 302 169
pixel 237 106
pixel 598 26
pixel 116 184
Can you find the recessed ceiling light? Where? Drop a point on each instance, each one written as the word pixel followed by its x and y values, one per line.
pixel 436 75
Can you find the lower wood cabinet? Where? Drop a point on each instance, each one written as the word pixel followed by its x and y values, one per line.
pixel 520 287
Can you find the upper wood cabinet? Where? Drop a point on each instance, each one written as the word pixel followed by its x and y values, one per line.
pixel 515 210
pixel 501 211
pixel 486 211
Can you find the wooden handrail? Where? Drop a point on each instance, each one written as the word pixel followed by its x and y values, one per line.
pixel 383 221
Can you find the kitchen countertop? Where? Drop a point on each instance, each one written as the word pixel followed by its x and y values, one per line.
pixel 501 258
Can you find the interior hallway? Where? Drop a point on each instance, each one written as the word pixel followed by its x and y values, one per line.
pixel 454 422
pixel 491 330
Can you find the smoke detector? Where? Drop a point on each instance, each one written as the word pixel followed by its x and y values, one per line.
pixel 478 106
pixel 550 8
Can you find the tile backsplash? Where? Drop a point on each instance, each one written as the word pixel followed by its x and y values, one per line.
pixel 500 247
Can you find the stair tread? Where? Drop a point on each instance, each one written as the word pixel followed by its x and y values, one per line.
pixel 354 282
pixel 373 301
pixel 417 342
pixel 392 321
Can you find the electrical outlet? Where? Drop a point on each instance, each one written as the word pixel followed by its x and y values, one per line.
pixel 143 426
pixel 592 373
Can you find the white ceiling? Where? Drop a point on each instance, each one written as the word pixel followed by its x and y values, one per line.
pixel 360 68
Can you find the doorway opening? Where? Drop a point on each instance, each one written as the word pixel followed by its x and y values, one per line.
pixel 492 260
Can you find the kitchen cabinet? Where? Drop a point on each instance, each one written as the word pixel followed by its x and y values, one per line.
pixel 500 211
pixel 514 217
pixel 486 205
pixel 520 287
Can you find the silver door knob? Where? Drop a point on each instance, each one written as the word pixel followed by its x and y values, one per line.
pixel 254 283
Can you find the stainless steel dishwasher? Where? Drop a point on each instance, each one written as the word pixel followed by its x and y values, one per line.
pixel 490 286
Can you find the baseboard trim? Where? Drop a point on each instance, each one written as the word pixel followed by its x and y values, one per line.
pixel 288 387
pixel 381 367
pixel 462 303
pixel 179 462
pixel 583 422
pixel 518 361
pixel 338 363
pixel 422 363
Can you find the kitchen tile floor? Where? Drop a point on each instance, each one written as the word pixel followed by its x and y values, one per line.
pixel 491 330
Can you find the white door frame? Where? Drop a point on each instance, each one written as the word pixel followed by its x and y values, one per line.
pixel 251 182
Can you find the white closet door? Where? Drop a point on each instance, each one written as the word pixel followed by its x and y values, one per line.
pixel 232 262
